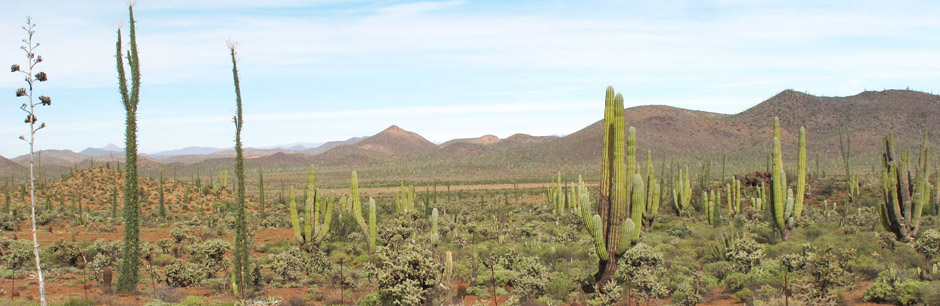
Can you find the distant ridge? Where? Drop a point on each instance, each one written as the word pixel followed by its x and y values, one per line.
pixel 669 133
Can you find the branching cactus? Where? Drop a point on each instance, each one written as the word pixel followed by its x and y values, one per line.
pixel 786 208
pixel 733 190
pixel 617 223
pixel 406 199
pixel 682 192
pixel 309 204
pixel 905 192
pixel 369 229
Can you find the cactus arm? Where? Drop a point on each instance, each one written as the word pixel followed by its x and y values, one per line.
pixel 800 177
pixel 373 229
pixel 599 239
pixel 626 236
pixel 294 218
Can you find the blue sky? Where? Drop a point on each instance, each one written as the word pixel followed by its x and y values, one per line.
pixel 316 71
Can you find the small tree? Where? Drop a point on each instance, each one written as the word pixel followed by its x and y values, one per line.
pixel 32 59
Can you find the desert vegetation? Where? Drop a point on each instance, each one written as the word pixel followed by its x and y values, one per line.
pixel 775 228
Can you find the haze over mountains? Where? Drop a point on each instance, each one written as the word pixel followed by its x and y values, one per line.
pixel 668 132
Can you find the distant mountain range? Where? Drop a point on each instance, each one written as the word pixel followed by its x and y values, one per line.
pixel 667 132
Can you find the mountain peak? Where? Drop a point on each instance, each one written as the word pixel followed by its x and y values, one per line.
pixel 394 129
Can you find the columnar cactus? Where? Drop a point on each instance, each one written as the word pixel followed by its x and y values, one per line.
pixel 653 193
pixel 294 218
pixel 733 190
pixel 435 234
pixel 905 192
pixel 406 199
pixel 786 208
pixel 369 229
pixel 309 202
pixel 711 203
pixel 682 192
pixel 615 228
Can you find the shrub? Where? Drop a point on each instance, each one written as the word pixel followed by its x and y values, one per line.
pixel 168 294
pixel 531 277
pixel 65 252
pixel 179 274
pixel 644 270
pixel 928 244
pixel 746 254
pixel 407 275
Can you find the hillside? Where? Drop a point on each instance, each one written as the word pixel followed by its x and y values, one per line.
pixel 669 133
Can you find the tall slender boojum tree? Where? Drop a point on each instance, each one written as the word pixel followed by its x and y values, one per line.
pixel 128 273
pixel 240 262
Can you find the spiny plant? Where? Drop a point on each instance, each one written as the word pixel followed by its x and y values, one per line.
pixel 129 276
pixel 240 261
pixel 261 193
pixel 786 206
pixel 316 206
pixel 906 192
pixel 406 199
pixel 162 197
pixel 32 59
pixel 711 203
pixel 294 218
pixel 614 228
pixel 682 192
pixel 435 234
pixel 369 229
pixel 733 191
pixel 653 193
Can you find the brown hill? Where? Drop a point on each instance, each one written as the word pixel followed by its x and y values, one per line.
pixel 10 168
pixel 392 143
pixel 482 140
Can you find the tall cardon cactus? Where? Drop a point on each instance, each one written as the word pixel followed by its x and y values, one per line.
pixel 905 192
pixel 786 205
pixel 616 224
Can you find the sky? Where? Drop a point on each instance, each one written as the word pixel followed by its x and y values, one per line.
pixel 315 71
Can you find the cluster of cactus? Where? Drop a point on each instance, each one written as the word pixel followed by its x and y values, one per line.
pixel 369 229
pixel 758 201
pixel 906 192
pixel 406 199
pixel 733 190
pixel 565 199
pixel 653 194
pixel 223 178
pixel 318 213
pixel 711 203
pixel 616 225
pixel 786 206
pixel 682 192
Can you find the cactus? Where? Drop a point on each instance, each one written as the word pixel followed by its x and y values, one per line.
pixel 784 207
pixel 406 199
pixel 448 265
pixel 682 192
pixel 613 227
pixel 653 194
pixel 294 218
pixel 905 193
pixel 711 203
pixel 260 193
pixel 369 229
pixel 162 197
pixel 435 235
pixel 733 190
pixel 309 202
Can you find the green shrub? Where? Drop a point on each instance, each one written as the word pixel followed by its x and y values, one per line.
pixel 192 301
pixel 179 274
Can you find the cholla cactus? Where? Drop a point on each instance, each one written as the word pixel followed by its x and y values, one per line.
pixel 905 192
pixel 786 208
